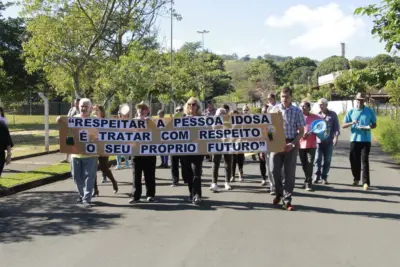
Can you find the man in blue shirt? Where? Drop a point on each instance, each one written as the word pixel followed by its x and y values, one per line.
pixel 361 119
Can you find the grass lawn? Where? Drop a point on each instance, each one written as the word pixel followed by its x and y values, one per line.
pixel 21 178
pixel 29 122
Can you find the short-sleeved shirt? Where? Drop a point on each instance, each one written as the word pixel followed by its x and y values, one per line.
pixel 365 117
pixel 311 140
pixel 292 120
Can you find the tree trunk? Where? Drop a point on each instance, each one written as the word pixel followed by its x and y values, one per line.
pixel 76 85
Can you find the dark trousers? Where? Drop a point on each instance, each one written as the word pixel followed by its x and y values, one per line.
pixel 238 159
pixel 147 166
pixel 227 164
pixel 2 160
pixel 307 156
pixel 193 168
pixel 359 154
pixel 175 169
pixel 263 166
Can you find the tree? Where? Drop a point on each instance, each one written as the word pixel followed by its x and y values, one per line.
pixel 386 22
pixel 301 75
pixel 246 58
pixel 350 82
pixel 380 60
pixel 358 64
pixel 393 90
pixel 298 70
pixel 331 64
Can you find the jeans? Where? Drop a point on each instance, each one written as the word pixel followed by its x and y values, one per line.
pixel 287 160
pixel 193 169
pixel 324 152
pixel 83 172
pixel 147 166
pixel 227 164
pixel 307 157
pixel 359 154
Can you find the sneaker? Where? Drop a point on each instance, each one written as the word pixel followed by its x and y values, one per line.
pixel 79 200
pixel 288 206
pixel 87 204
pixel 315 181
pixel 232 179
pixel 174 184
pixel 263 183
pixel 308 187
pixel 118 167
pixel 355 183
pixel 325 182
pixel 366 186
pixel 228 186
pixel 240 177
pixel 276 200
pixel 214 187
pixel 150 199
pixel 104 181
pixel 272 193
pixel 196 200
pixel 134 201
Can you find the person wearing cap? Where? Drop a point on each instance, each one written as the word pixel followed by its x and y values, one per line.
pixel 164 159
pixel 293 125
pixel 217 161
pixel 176 159
pixel 361 120
pixel 145 165
pixel 325 147
pixel 308 144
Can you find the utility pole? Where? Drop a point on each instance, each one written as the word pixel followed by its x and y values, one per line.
pixel 204 88
pixel 171 92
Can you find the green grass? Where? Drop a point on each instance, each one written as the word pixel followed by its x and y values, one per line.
pixel 387 135
pixel 21 178
pixel 29 122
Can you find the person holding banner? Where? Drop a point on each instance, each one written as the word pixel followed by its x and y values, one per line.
pixel 361 119
pixel 193 164
pixel 84 167
pixel 264 162
pixel 176 159
pixel 294 129
pixel 237 159
pixel 100 112
pixel 145 164
pixel 308 144
pixel 217 161
pixel 164 159
pixel 325 147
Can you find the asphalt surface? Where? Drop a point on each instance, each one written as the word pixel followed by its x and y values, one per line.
pixel 337 225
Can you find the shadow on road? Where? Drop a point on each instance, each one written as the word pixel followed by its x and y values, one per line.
pixel 48 214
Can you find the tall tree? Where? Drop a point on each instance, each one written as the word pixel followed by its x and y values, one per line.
pixel 386 22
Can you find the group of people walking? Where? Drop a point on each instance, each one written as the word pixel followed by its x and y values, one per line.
pixel 277 169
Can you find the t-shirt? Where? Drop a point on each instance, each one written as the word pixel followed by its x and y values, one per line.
pixel 311 140
pixel 365 117
pixel 82 156
pixel 332 122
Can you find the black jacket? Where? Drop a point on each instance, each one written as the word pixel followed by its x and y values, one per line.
pixel 5 137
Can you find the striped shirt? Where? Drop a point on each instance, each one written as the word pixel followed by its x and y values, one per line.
pixel 292 120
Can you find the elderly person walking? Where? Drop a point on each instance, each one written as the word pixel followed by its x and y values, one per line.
pixel 325 147
pixel 361 119
pixel 73 111
pixel 293 124
pixel 84 167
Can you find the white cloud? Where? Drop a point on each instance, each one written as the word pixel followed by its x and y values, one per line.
pixel 325 26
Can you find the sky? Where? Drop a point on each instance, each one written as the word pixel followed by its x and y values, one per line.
pixel 308 28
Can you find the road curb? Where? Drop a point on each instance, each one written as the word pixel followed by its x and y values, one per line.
pixel 7 191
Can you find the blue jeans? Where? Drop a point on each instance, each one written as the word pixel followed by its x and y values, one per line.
pixel 83 172
pixel 324 152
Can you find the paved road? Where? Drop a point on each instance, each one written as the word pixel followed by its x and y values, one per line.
pixel 337 225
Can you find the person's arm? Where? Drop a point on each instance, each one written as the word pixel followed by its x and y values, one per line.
pixel 335 128
pixel 9 145
pixel 373 120
pixel 300 124
pixel 347 120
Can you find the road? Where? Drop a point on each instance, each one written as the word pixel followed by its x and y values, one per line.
pixel 337 225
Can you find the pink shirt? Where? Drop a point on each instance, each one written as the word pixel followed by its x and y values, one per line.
pixel 311 140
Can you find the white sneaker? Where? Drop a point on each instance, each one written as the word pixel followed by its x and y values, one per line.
pixel 263 183
pixel 232 179
pixel 214 187
pixel 240 177
pixel 228 186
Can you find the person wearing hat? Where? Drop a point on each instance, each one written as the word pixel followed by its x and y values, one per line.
pixel 164 159
pixel 325 147
pixel 361 120
pixel 308 144
pixel 145 165
pixel 176 159
pixel 217 161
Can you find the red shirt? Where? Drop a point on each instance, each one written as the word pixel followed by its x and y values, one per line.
pixel 311 140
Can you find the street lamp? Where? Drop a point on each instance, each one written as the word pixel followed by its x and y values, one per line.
pixel 171 92
pixel 202 33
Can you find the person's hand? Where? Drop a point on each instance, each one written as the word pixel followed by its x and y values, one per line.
pixel 306 135
pixel 262 156
pixel 335 140
pixel 355 122
pixel 289 147
pixel 8 159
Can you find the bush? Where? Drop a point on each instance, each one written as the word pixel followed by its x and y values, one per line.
pixel 387 135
